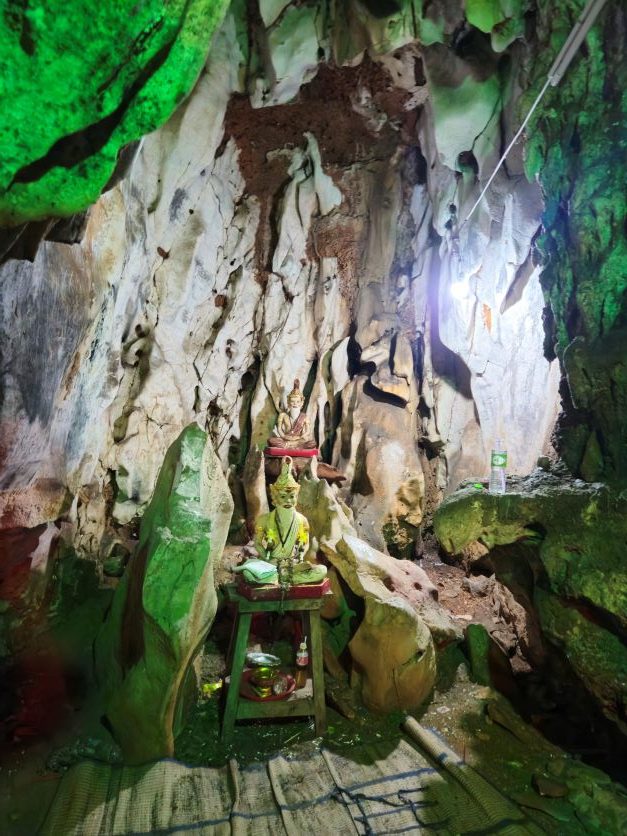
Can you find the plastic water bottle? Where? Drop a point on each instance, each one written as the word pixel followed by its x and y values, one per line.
pixel 302 663
pixel 498 462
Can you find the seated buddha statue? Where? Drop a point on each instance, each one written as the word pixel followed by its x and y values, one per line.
pixel 292 430
pixel 282 535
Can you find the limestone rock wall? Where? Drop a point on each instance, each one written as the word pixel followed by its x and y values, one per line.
pixel 292 220
pixel 578 148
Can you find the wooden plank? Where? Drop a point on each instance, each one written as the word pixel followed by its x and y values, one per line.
pixel 239 657
pixel 317 668
pixel 285 605
pixel 249 709
pixel 302 605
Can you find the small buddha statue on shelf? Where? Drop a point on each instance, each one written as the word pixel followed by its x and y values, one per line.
pixel 282 535
pixel 292 430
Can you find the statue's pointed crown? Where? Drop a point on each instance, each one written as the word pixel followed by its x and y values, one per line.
pixel 285 481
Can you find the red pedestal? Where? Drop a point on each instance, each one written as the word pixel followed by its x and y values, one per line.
pixel 298 453
pixel 274 593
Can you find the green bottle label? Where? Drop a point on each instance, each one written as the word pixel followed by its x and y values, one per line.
pixel 498 459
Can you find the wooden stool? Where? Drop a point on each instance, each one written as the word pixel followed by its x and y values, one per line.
pixel 302 703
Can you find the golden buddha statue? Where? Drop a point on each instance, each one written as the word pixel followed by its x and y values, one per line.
pixel 292 430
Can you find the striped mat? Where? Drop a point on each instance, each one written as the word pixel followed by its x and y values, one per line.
pixel 378 789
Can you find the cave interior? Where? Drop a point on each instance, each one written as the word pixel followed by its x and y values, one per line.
pixel 341 286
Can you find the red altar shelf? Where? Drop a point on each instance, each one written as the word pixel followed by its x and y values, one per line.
pixel 271 592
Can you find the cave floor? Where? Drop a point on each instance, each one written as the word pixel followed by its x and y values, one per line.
pixel 477 722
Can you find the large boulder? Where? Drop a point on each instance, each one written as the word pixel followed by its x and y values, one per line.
pixel 166 601
pixel 580 592
pixel 393 649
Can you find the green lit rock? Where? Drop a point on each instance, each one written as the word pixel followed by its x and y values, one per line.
pixel 478 645
pixel 81 80
pixel 597 655
pixel 485 14
pixel 381 26
pixel 577 147
pixel 502 19
pixel 165 604
pixel 466 101
pixel 596 371
pixel 578 532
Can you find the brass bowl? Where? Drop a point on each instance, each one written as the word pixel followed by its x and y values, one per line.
pixel 263 692
pixel 262 677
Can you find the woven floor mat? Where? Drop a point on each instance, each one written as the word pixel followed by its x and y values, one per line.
pixel 255 811
pixel 308 797
pixel 160 798
pixel 380 789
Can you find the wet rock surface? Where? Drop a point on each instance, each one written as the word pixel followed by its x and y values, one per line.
pixel 576 584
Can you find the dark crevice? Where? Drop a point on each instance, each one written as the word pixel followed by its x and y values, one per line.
pixel 332 426
pixel 597 615
pixel 311 379
pixel 68 230
pixel 382 8
pixel 21 243
pixel 353 351
pixel 379 396
pixel 361 484
pixel 466 161
pixel 18 21
pixel 126 157
pixel 273 216
pixel 550 332
pixel 247 391
pixel 132 628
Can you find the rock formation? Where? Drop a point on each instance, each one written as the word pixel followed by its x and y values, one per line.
pixel 259 237
pixel 577 149
pixel 97 80
pixel 580 587
pixel 393 648
pixel 165 604
pixel 303 214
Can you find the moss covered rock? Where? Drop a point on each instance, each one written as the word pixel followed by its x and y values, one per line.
pixel 597 655
pixel 577 147
pixel 81 80
pixel 166 601
pixel 579 532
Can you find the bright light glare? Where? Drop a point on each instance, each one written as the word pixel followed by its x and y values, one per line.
pixel 459 289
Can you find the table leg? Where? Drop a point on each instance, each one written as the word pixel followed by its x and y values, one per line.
pixel 317 667
pixel 239 658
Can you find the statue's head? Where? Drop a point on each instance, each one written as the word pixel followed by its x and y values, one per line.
pixel 284 492
pixel 295 399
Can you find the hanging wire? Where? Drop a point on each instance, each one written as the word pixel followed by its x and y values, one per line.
pixel 555 74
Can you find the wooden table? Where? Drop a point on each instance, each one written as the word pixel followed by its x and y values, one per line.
pixel 304 702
